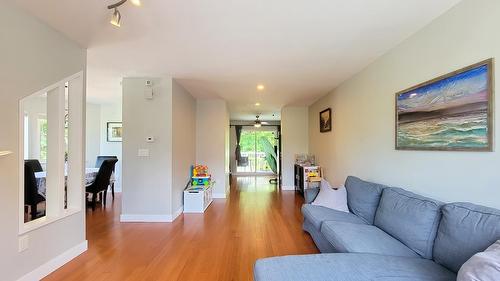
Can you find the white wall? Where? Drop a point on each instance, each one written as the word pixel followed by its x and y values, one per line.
pixel 294 139
pixel 362 140
pixel 147 181
pixel 93 134
pixel 111 113
pixel 212 146
pixel 33 56
pixel 190 132
pixel 227 152
pixel 183 142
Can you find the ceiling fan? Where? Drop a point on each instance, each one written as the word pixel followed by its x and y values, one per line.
pixel 259 123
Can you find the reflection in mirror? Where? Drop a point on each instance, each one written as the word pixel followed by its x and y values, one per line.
pixel 35 155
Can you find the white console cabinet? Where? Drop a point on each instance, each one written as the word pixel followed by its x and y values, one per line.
pixel 198 198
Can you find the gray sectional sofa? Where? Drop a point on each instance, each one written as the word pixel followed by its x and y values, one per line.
pixel 389 234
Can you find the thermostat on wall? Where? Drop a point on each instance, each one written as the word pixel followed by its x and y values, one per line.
pixel 148 93
pixel 142 152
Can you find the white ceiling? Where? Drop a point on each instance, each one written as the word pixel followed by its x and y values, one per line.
pixel 298 49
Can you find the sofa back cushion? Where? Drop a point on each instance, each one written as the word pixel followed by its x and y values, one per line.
pixel 465 229
pixel 410 218
pixel 363 198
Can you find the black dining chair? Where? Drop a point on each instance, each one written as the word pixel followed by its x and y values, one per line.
pixel 243 162
pixel 31 196
pixel 101 182
pixel 35 165
pixel 98 164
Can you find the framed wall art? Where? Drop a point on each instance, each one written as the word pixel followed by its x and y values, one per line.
pixel 325 120
pixel 114 132
pixel 450 113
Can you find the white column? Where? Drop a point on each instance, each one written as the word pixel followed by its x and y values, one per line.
pixel 76 136
pixel 55 152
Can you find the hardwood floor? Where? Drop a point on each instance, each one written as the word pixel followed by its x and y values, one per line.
pixel 222 244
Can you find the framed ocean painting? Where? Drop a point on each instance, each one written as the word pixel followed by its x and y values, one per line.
pixel 450 113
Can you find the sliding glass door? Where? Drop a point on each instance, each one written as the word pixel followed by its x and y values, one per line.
pixel 258 150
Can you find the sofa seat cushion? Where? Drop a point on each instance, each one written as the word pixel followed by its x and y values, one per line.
pixel 410 218
pixel 359 238
pixel 318 214
pixel 349 267
pixel 363 197
pixel 465 230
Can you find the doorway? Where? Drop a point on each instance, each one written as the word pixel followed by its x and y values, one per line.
pixel 259 151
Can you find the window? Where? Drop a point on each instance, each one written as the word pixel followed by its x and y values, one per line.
pixel 257 147
pixel 51 162
pixel 26 134
pixel 42 131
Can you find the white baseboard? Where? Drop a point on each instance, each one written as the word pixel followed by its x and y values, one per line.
pixel 219 196
pixel 288 188
pixel 151 218
pixel 55 263
pixel 177 213
pixel 145 218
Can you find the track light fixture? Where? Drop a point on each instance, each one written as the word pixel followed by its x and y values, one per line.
pixel 136 3
pixel 116 17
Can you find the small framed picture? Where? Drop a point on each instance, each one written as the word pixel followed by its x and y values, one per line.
pixel 115 132
pixel 325 120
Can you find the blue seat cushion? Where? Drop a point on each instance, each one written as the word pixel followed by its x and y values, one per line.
pixel 349 267
pixel 363 238
pixel 363 197
pixel 465 229
pixel 410 218
pixel 316 215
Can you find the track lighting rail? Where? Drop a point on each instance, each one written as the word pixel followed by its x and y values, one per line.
pixel 116 5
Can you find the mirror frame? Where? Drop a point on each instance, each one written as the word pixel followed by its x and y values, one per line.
pixel 55 209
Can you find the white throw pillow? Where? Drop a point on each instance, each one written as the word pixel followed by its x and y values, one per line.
pixel 484 266
pixel 331 198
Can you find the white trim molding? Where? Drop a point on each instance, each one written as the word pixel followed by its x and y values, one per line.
pixel 56 178
pixel 41 222
pixel 151 218
pixel 287 188
pixel 178 213
pixel 55 263
pixel 5 153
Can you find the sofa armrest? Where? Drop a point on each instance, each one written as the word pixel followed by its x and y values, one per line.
pixel 310 194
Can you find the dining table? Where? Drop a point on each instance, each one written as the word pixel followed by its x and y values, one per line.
pixel 90 175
